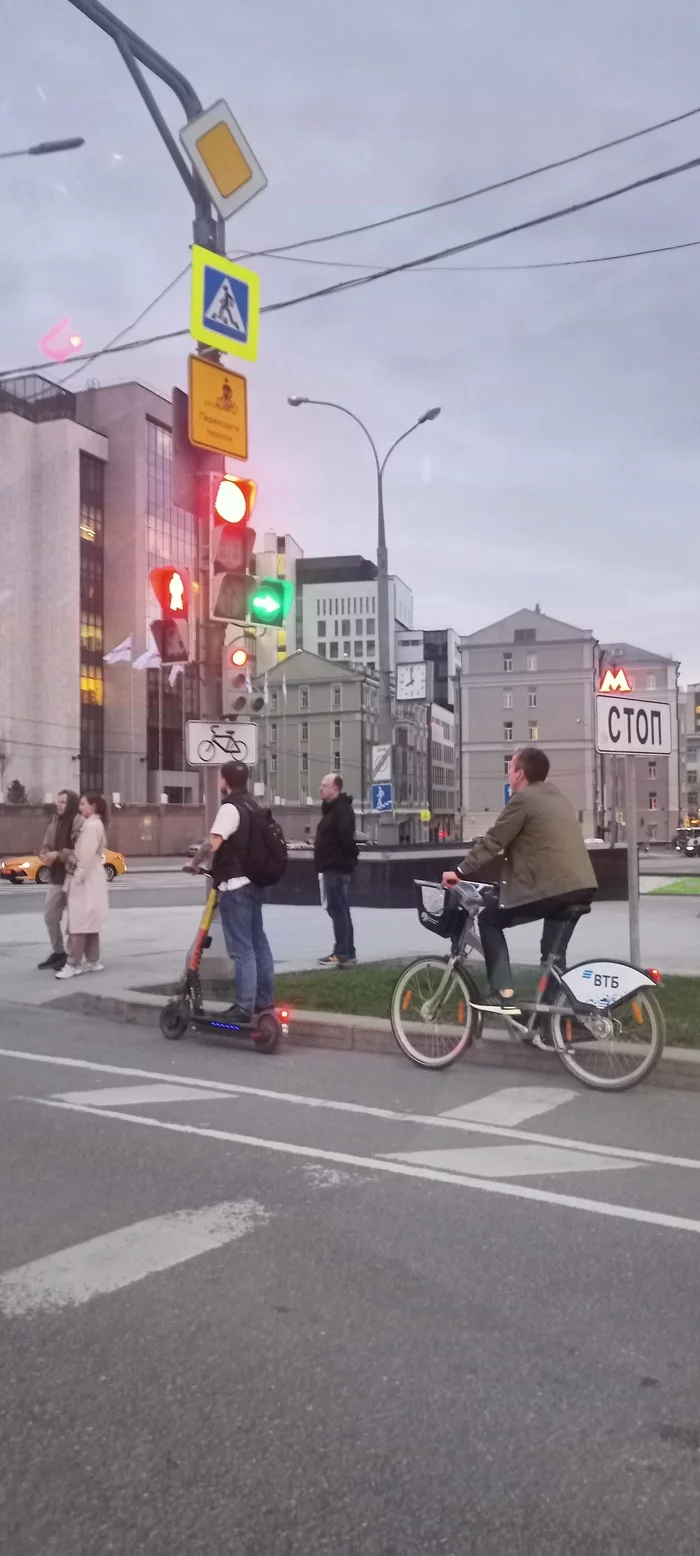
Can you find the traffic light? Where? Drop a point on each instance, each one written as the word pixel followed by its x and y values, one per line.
pixel 240 700
pixel 270 600
pixel 231 500
pixel 171 586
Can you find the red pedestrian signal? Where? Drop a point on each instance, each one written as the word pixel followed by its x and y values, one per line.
pixel 171 631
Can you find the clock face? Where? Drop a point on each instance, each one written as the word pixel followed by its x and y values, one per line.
pixel 410 682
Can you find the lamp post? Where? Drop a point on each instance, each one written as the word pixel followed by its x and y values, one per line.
pixel 43 147
pixel 383 622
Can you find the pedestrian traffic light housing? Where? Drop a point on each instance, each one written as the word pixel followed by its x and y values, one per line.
pixel 171 631
pixel 239 698
pixel 229 501
pixel 270 600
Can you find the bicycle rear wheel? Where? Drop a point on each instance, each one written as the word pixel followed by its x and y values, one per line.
pixel 617 1048
pixel 433 1030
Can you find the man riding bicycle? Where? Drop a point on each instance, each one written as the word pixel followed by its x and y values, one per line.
pixel 545 869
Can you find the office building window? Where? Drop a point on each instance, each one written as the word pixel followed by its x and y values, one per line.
pixel 346 629
pixel 507 699
pixel 652 801
pixel 273 734
pixel 333 650
pixel 532 698
pixel 336 697
pixel 507 663
pixel 533 732
pixel 321 628
pixel 524 635
pixel 652 770
pixel 651 683
pixel 335 629
pixel 359 649
pixel 358 627
pixel 274 699
pixel 273 762
pixel 506 764
pixel 346 651
pixel 336 761
pixel 91 523
pixel 305 761
pixel 507 732
pixel 303 698
pixel 322 650
pixel 336 729
pixel 371 628
pixel 305 730
pixel 318 607
pixel 532 662
pixel 371 647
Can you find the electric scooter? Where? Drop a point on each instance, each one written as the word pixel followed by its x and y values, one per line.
pixel 186 1009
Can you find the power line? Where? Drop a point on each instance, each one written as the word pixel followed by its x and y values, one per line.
pixel 285 249
pixel 544 264
pixel 404 266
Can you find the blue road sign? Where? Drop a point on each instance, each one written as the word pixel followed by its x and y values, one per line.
pixel 507 791
pixel 382 796
pixel 225 304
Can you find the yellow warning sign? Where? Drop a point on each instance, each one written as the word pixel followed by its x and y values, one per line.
pixel 218 408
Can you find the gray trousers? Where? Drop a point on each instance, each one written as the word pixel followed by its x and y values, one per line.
pixel 54 909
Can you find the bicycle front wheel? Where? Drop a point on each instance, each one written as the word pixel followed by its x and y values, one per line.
pixel 432 1014
pixel 614 1049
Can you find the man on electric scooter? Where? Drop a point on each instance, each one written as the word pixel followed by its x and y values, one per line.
pixel 239 831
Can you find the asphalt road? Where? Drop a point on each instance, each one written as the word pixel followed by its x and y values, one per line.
pixel 249 1305
pixel 150 889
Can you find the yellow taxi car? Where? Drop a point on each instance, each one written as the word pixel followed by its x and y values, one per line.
pixel 28 867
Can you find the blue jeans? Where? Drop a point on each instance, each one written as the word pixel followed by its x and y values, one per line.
pixel 247 945
pixel 336 888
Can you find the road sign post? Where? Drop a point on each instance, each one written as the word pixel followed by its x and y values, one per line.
pixel 629 727
pixel 632 856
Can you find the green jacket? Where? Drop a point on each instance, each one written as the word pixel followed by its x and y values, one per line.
pixel 544 854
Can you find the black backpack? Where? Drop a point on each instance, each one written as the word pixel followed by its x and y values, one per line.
pixel 264 854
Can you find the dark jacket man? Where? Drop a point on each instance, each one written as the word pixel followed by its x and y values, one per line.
pixel 335 857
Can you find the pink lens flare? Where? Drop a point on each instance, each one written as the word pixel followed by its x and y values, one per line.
pixel 51 346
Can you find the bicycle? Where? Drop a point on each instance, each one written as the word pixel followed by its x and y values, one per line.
pixel 225 742
pixel 604 1020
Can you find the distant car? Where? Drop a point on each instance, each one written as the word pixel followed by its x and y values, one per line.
pixel 28 867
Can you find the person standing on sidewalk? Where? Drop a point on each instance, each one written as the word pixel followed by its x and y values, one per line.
pixel 241 836
pixel 335 857
pixel 59 842
pixel 86 886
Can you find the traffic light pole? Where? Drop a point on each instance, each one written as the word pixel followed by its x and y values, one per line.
pixel 208 233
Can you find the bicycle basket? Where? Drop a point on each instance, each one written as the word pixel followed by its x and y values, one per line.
pixel 437 909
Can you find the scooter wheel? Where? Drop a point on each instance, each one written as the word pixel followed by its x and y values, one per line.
pixel 174 1020
pixel 267 1038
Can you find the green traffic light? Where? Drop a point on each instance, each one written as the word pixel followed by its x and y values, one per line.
pixel 271 601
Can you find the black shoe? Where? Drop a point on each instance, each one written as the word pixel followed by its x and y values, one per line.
pixel 237 1016
pixel 346 961
pixel 328 961
pixel 56 960
pixel 503 1007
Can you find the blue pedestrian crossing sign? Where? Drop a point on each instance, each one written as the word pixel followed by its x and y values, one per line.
pixel 382 796
pixel 507 792
pixel 225 304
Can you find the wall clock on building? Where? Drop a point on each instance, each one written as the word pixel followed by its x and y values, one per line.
pixel 411 682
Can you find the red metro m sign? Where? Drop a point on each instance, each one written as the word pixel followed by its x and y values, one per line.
pixel 615 682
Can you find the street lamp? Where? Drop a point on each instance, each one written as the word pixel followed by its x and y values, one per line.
pixel 43 147
pixel 383 635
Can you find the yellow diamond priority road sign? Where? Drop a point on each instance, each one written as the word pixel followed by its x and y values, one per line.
pixel 221 155
pixel 218 408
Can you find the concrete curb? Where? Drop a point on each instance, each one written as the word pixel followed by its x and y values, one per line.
pixel 679 1067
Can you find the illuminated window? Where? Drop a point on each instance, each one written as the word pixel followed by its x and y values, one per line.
pixel 533 732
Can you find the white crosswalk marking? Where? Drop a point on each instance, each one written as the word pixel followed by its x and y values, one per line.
pixel 513 1104
pixel 121 1096
pixel 105 1264
pixel 511 1161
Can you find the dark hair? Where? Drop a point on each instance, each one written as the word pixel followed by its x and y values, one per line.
pixel 533 762
pixel 64 823
pixel 235 775
pixel 100 804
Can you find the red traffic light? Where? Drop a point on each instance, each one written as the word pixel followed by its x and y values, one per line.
pixel 239 658
pixel 171 588
pixel 235 499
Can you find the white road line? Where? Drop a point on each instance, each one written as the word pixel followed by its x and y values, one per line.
pixel 435 1120
pixel 513 1104
pixel 400 1169
pixel 104 1264
pixel 512 1161
pixel 126 1096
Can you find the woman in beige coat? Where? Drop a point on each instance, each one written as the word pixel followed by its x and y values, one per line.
pixel 86 887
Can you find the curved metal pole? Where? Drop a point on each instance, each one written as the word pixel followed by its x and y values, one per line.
pixel 394 445
pixel 333 405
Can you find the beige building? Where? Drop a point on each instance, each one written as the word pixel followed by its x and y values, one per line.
pixel 528 677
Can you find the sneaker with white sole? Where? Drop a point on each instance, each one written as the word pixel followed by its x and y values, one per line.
pixel 69 971
pixel 93 967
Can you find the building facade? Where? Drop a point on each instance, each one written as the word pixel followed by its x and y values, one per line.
pixel 528 677
pixel 651 678
pixel 438 651
pixel 689 748
pixel 336 609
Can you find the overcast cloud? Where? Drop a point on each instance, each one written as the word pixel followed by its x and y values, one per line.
pixel 564 466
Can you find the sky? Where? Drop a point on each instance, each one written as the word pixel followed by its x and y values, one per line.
pixel 564 466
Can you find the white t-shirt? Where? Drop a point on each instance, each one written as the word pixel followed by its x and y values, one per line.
pixel 227 821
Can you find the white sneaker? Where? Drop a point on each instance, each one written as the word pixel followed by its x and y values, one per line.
pixel 69 972
pixel 92 967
